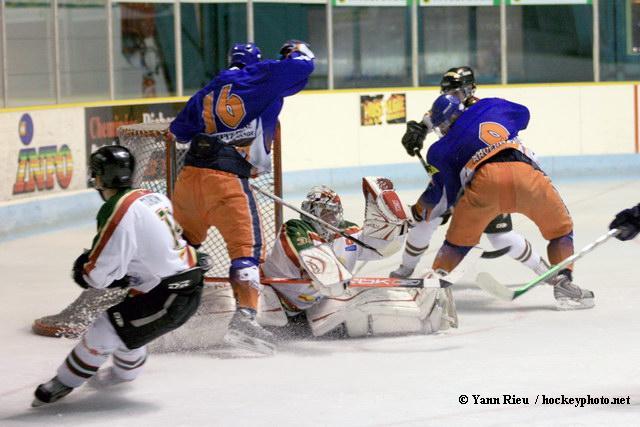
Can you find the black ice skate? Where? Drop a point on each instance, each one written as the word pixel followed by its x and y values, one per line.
pixel 570 296
pixel 50 392
pixel 246 333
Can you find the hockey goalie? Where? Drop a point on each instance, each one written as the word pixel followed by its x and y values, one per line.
pixel 306 249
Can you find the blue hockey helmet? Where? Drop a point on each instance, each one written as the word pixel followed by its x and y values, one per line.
pixel 445 110
pixel 243 54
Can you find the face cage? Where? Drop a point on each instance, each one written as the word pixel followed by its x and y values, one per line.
pixel 463 92
pixel 320 209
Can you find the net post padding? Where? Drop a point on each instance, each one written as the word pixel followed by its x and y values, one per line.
pixel 159 160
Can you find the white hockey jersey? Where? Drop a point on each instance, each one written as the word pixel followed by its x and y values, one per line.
pixel 296 235
pixel 137 236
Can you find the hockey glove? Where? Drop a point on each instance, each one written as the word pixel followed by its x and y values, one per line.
pixel 77 273
pixel 628 222
pixel 413 138
pixel 291 46
pixel 120 283
pixel 205 262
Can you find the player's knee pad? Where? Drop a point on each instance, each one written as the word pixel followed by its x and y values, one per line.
pixel 500 224
pixel 244 272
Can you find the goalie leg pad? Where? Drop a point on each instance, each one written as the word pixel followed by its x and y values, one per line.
pixel 377 312
pixel 270 310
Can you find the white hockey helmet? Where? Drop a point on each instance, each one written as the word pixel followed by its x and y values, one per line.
pixel 324 203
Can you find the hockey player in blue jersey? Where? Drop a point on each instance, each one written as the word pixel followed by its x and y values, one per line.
pixel 231 125
pixel 461 82
pixel 480 168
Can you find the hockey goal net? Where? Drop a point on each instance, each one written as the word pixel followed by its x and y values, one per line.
pixel 158 162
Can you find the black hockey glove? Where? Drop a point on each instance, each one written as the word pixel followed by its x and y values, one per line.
pixel 628 222
pixel 120 283
pixel 413 138
pixel 291 46
pixel 205 262
pixel 78 270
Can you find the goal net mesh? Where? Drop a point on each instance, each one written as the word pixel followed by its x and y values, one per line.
pixel 158 163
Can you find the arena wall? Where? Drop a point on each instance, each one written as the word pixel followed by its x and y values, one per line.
pixel 329 137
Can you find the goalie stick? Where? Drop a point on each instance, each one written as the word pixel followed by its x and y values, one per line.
pixel 489 284
pixel 315 218
pixel 358 282
pixel 486 254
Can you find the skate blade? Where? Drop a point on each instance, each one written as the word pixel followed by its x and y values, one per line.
pixel 37 402
pixel 570 304
pixel 239 340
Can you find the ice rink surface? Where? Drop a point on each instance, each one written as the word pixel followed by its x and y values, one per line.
pixel 526 348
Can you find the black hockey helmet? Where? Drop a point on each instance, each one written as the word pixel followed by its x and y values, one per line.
pixel 458 78
pixel 114 165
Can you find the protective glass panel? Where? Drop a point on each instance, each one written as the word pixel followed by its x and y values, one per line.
pixel 208 30
pixel 550 43
pixel 619 39
pixel 277 22
pixel 144 50
pixel 455 36
pixel 30 52
pixel 84 74
pixel 372 46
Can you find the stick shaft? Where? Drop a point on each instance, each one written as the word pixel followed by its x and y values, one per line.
pixel 356 282
pixel 555 269
pixel 315 218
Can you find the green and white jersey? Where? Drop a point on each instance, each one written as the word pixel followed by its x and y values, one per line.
pixel 137 236
pixel 283 261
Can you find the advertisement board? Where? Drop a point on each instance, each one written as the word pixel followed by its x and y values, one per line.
pixel 42 152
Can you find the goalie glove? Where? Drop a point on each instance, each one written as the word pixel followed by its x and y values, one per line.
pixel 385 216
pixel 326 272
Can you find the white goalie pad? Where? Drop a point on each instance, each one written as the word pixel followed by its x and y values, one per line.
pixel 385 216
pixel 327 273
pixel 381 312
pixel 270 311
pixel 207 327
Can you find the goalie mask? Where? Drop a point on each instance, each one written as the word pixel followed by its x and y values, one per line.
pixel 323 202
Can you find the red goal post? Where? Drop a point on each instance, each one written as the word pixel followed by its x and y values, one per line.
pixel 159 159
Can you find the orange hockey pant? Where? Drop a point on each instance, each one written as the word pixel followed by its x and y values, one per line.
pixel 509 187
pixel 205 198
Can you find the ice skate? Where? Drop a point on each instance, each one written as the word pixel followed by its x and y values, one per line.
pixel 570 296
pixel 245 332
pixel 50 392
pixel 402 272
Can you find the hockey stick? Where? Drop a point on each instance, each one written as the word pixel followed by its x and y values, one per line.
pixel 357 282
pixel 486 254
pixel 315 218
pixel 488 283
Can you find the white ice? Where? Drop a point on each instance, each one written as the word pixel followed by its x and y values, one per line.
pixel 524 348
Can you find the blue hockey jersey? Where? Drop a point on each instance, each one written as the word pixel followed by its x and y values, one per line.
pixel 239 108
pixel 486 128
